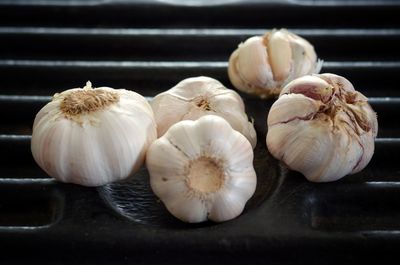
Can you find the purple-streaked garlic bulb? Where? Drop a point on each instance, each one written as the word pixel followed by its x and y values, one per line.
pixel 262 65
pixel 322 127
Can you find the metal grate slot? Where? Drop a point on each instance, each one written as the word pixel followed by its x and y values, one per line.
pixel 366 207
pixel 173 14
pixel 16 159
pixel 182 44
pixel 24 205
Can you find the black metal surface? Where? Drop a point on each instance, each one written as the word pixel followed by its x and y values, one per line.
pixel 149 46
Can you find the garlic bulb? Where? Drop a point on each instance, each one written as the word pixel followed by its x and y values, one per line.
pixel 93 136
pixel 262 65
pixel 198 96
pixel 202 170
pixel 322 127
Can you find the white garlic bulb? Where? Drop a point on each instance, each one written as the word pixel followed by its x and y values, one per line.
pixel 202 170
pixel 93 136
pixel 198 96
pixel 262 65
pixel 322 127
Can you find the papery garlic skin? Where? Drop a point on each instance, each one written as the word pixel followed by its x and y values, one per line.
pixel 262 65
pixel 93 136
pixel 202 170
pixel 322 127
pixel 195 97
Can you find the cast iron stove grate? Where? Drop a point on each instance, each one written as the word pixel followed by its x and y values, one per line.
pixel 148 46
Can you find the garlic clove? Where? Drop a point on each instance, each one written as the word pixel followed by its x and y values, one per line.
pixel 237 118
pixel 85 136
pixel 284 109
pixel 214 177
pixel 168 108
pixel 226 206
pixel 263 65
pixel 304 57
pixel 367 144
pixel 323 132
pixel 339 82
pixel 313 152
pixel 195 97
pixel 233 72
pixel 280 55
pixel 190 210
pixel 249 69
pixel 252 49
pixel 310 86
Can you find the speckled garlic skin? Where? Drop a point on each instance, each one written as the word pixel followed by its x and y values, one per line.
pixel 202 170
pixel 93 136
pixel 322 127
pixel 195 97
pixel 262 65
